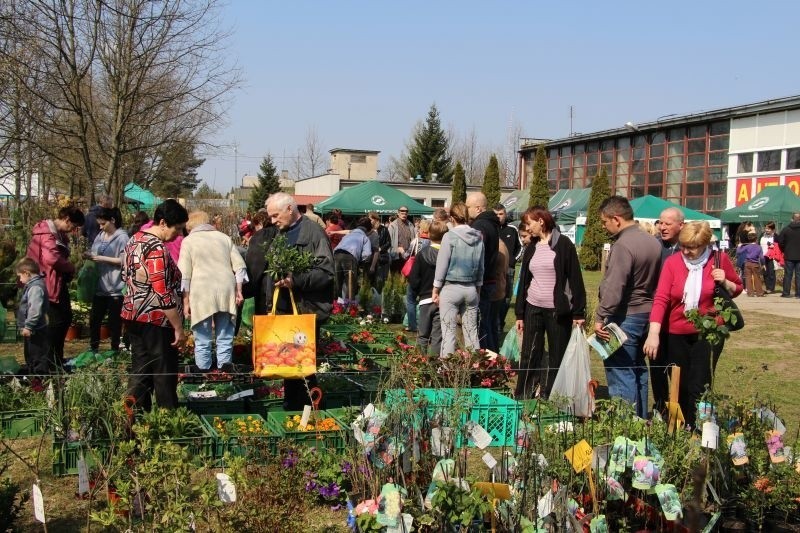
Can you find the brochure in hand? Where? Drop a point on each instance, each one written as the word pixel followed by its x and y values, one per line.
pixel 606 348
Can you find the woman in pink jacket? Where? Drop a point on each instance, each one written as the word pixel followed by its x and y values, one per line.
pixel 49 247
pixel 687 282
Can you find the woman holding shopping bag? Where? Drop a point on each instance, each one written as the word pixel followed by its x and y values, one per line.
pixel 551 299
pixel 687 282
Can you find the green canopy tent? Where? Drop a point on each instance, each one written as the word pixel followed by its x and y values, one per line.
pixel 568 204
pixel 649 208
pixel 143 199
pixel 775 203
pixel 371 196
pixel 516 203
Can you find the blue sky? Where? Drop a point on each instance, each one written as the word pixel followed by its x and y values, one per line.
pixel 363 73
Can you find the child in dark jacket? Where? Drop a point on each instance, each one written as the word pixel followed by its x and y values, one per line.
pixel 420 281
pixel 751 254
pixel 32 316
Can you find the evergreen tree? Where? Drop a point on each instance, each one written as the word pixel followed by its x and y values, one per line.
pixel 430 151
pixel 491 182
pixel 539 195
pixel 595 235
pixel 459 185
pixel 268 183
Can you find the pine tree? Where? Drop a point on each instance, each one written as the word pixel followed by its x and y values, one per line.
pixel 268 183
pixel 430 151
pixel 491 182
pixel 459 185
pixel 539 195
pixel 595 235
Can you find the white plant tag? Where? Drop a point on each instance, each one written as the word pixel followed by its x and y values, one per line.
pixel 710 435
pixel 368 411
pixel 489 460
pixel 240 395
pixel 358 433
pixel 202 394
pixel 50 395
pixel 305 417
pixel 402 527
pixel 38 503
pixel 545 504
pixel 440 441
pixel 226 490
pixel 83 476
pixel 480 436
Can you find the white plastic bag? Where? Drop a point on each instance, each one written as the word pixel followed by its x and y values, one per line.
pixel 571 388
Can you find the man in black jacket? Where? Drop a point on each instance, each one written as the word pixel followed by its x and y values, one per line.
pixel 429 339
pixel 789 241
pixel 488 224
pixel 510 237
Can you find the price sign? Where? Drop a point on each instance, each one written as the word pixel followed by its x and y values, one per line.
pixel 580 456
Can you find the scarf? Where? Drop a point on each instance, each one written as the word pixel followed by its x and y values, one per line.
pixel 694 281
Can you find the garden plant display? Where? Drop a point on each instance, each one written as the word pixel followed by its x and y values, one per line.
pixel 243 426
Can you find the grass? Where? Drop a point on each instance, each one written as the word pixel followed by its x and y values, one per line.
pixel 757 362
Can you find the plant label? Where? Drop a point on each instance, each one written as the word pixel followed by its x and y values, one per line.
pixel 83 476
pixel 402 527
pixel 489 460
pixel 710 435
pixel 767 414
pixel 441 439
pixel 480 436
pixel 358 434
pixel 579 456
pixel 670 501
pixel 545 504
pixel 226 490
pixel 202 394
pixel 600 456
pixel 240 395
pixel 306 416
pixel 50 395
pixel 38 503
pixel 775 446
pixel 738 449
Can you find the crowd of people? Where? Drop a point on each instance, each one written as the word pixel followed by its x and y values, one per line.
pixel 460 266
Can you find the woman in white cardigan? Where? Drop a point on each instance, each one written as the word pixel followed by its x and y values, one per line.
pixel 213 272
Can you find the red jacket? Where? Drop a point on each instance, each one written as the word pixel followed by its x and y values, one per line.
pixel 50 249
pixel 669 293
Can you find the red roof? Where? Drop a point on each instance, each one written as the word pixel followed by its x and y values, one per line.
pixel 305 199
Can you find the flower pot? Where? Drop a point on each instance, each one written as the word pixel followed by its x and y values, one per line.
pixel 105 332
pixel 73 332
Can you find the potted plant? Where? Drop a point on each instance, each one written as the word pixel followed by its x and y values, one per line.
pixel 80 318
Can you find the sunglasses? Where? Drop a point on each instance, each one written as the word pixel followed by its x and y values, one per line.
pixel 403 211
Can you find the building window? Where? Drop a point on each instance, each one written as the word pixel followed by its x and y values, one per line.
pixel 769 160
pixel 437 202
pixel 793 158
pixel 744 163
pixel 356 158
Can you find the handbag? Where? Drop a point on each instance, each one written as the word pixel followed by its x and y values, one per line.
pixel 408 265
pixel 720 291
pixel 284 346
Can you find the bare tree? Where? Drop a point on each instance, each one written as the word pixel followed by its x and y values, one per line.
pixel 312 154
pixel 508 164
pixel 395 169
pixel 125 78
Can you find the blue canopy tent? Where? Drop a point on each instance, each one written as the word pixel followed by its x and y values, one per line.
pixel 142 199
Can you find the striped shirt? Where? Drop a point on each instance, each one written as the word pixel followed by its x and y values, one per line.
pixel 543 282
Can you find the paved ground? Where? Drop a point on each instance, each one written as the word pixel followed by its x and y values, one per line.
pixel 771 304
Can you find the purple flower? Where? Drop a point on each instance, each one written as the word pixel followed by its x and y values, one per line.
pixel 329 492
pixel 311 485
pixel 346 467
pixel 290 460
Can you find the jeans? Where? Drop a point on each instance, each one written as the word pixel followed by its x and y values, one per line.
pixel 626 371
pixel 344 263
pixel 224 327
pixel 429 340
pixel 487 324
pixel 411 308
pixel 103 305
pixel 789 267
pixel 458 298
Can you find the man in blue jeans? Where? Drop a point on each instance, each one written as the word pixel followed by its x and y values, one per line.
pixel 789 241
pixel 626 298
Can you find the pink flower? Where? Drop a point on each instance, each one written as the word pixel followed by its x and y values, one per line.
pixel 367 506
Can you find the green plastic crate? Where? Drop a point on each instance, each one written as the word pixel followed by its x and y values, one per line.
pixel 11 334
pixel 66 455
pixel 369 383
pixel 237 446
pixel 338 391
pixel 339 331
pixel 321 440
pixel 20 424
pixel 264 405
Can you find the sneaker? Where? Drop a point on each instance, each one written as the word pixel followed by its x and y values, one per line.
pixel 227 368
pixel 786 295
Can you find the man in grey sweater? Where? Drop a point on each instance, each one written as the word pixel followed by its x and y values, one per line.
pixel 626 298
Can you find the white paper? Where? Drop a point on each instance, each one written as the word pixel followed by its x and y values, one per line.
pixel 358 433
pixel 240 395
pixel 768 415
pixel 545 505
pixel 480 436
pixel 426 301
pixel 402 527
pixel 710 435
pixel 489 460
pixel 50 395
pixel 440 441
pixel 38 503
pixel 600 456
pixel 202 394
pixel 305 417
pixel 83 476
pixel 226 490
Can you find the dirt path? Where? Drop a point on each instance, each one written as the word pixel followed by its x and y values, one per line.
pixel 771 304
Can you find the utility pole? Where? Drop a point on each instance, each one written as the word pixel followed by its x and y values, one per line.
pixel 236 162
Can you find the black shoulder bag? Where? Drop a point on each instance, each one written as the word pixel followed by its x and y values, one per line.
pixel 720 291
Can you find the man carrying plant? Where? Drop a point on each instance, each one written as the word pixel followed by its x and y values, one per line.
pixel 152 308
pixel 312 289
pixel 626 299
